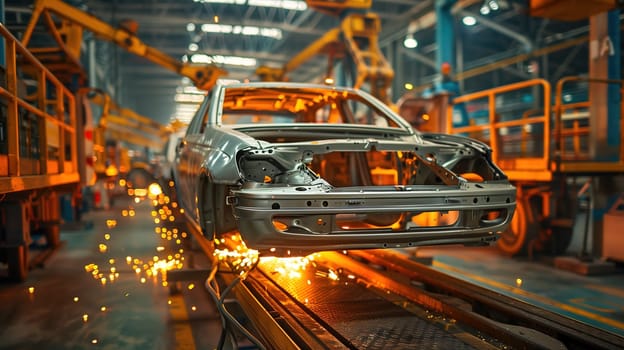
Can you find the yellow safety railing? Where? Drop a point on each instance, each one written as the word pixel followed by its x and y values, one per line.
pixel 573 122
pixel 40 116
pixel 525 153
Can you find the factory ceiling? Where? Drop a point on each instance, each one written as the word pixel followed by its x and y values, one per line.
pixel 271 32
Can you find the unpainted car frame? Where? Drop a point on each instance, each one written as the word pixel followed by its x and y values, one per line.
pixel 297 168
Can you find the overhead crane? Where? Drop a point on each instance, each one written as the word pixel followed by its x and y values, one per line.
pixel 356 39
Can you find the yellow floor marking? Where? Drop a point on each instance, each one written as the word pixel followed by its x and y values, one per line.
pixel 608 290
pixel 530 295
pixel 181 326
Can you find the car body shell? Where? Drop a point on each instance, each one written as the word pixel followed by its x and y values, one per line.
pixel 268 161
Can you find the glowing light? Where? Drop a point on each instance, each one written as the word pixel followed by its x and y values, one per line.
pixel 194 308
pixel 169 301
pixel 103 248
pixel 128 259
pixel 154 189
pixel 106 236
pixel 219 59
pixel 518 282
pixel 408 86
pixel 85 318
pixel 143 280
pixel 332 275
pixel 31 290
pixel 76 299
pixel 94 341
pixel 191 286
pixel 469 21
pixel 410 42
pixel 103 308
pixel 111 223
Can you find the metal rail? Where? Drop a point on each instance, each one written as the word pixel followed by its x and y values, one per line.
pixel 572 333
pixel 53 108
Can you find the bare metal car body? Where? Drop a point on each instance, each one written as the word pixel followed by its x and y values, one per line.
pixel 297 168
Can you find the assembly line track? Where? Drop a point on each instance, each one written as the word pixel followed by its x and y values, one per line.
pixel 473 316
pixel 283 317
pixel 570 332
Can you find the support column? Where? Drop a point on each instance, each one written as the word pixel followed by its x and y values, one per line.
pixel 2 51
pixel 445 33
pixel 604 63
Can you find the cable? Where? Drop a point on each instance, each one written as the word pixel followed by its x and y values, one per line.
pixel 227 319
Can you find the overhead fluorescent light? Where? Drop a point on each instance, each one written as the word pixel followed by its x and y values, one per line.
pixel 296 5
pixel 269 32
pixel 218 59
pixel 188 98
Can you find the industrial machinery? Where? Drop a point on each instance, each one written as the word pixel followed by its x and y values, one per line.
pixel 356 41
pixel 124 147
pixel 38 154
pixel 64 60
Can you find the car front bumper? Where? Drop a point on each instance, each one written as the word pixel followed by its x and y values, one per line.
pixel 282 220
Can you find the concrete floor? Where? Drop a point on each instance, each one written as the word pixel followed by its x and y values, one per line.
pixel 596 300
pixel 71 308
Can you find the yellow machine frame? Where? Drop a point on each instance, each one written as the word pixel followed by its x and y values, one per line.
pixel 358 36
pixel 68 36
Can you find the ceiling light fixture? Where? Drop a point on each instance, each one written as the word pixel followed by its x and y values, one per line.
pixel 296 5
pixel 193 47
pixel 410 42
pixel 227 60
pixel 268 32
pixel 469 21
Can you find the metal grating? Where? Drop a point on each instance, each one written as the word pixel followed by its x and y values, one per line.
pixel 360 316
